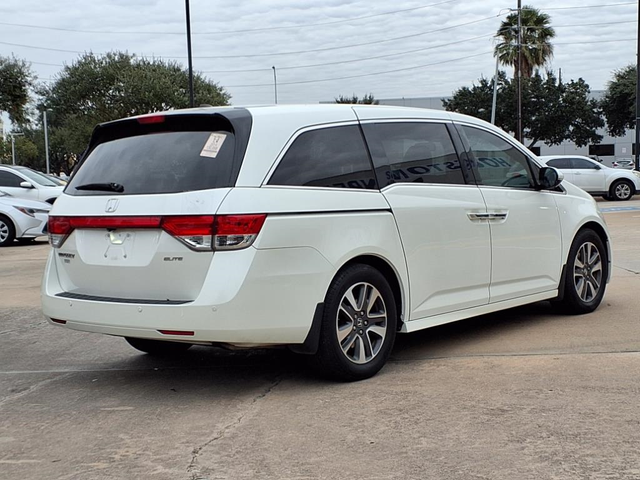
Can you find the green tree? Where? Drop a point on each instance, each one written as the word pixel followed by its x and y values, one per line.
pixel 100 88
pixel 552 112
pixel 368 99
pixel 619 101
pixel 537 34
pixel 16 79
pixel 27 152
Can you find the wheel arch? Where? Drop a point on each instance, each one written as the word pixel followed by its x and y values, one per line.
pixel 604 236
pixel 386 268
pixel 13 223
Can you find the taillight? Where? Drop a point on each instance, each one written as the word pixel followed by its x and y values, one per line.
pixel 198 232
pixel 233 232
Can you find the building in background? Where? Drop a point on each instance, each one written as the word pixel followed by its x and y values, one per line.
pixel 608 150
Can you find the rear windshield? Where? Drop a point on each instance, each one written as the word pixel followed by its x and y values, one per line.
pixel 176 156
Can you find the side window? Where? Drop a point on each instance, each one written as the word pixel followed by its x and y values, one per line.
pixel 328 157
pixel 581 164
pixel 8 179
pixel 497 162
pixel 415 152
pixel 562 163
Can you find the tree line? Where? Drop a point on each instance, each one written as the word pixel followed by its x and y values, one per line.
pixel 100 88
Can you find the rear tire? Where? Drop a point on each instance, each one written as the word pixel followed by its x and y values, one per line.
pixel 622 190
pixel 358 325
pixel 158 348
pixel 7 231
pixel 587 273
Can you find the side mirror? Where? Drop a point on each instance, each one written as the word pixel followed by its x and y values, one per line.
pixel 549 178
pixel 26 185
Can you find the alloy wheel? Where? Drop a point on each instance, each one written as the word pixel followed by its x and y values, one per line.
pixel 4 231
pixel 361 323
pixel 587 272
pixel 623 191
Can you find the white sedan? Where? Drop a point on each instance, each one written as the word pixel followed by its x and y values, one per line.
pixel 595 178
pixel 21 219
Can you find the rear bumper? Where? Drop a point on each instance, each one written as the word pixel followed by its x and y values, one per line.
pixel 249 297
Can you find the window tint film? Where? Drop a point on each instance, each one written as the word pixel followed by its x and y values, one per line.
pixel 8 179
pixel 328 157
pixel 416 152
pixel 163 162
pixel 497 162
pixel 582 164
pixel 563 163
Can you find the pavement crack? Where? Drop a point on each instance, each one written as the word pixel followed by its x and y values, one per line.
pixel 193 468
pixel 627 270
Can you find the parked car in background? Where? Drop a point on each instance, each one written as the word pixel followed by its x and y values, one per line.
pixel 23 182
pixel 325 228
pixel 624 164
pixel 595 178
pixel 21 219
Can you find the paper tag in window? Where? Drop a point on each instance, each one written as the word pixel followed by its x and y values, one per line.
pixel 213 145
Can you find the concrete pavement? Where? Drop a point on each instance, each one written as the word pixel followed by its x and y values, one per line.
pixel 522 394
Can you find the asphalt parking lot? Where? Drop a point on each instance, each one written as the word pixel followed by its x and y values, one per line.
pixel 522 394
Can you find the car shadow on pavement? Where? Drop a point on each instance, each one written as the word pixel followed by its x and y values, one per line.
pixel 243 369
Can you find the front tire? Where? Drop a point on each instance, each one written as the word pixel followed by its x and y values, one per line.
pixel 7 231
pixel 586 274
pixel 621 190
pixel 158 348
pixel 358 325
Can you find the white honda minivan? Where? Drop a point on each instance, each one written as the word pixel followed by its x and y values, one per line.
pixel 328 229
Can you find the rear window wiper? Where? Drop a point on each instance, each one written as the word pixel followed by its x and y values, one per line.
pixel 107 187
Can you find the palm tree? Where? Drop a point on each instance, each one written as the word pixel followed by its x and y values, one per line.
pixel 537 34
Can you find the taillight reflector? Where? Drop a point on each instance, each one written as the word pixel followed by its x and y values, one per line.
pixel 188 225
pixel 177 332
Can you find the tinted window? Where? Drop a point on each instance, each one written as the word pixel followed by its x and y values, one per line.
pixel 602 150
pixel 582 164
pixel 560 163
pixel 164 162
pixel 8 179
pixel 416 152
pixel 498 163
pixel 328 157
pixel 535 150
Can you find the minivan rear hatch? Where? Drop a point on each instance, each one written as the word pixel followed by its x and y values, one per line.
pixel 136 220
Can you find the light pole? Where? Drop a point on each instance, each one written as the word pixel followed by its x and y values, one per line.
pixel 495 92
pixel 275 85
pixel 13 145
pixel 519 130
pixel 191 102
pixel 637 145
pixel 46 138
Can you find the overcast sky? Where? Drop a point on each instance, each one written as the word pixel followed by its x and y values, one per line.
pixel 606 36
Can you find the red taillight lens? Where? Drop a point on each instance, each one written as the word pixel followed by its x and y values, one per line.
pixel 198 232
pixel 238 224
pixel 59 225
pixel 233 232
pixel 188 225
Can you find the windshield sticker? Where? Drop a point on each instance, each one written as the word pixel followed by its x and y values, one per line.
pixel 213 145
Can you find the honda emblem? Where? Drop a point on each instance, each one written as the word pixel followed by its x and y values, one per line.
pixel 112 205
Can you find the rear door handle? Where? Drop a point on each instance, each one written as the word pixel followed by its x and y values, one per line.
pixel 490 216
